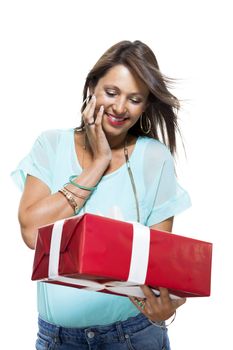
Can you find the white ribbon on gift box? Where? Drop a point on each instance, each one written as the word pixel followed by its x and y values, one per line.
pixel 138 265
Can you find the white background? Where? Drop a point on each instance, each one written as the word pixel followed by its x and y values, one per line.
pixel 47 48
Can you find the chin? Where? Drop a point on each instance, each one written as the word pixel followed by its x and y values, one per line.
pixel 111 131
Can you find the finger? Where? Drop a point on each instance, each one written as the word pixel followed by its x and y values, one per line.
pixel 86 101
pixel 143 305
pixel 88 114
pixel 98 120
pixel 88 106
pixel 178 302
pixel 138 302
pixel 164 294
pixel 148 292
pixel 91 110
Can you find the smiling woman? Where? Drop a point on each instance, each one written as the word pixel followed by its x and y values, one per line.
pixel 122 171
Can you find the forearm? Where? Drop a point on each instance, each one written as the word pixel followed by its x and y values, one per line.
pixel 53 207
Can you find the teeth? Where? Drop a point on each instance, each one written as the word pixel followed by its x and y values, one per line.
pixel 117 119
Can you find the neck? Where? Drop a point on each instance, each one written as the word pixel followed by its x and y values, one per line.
pixel 114 143
pixel 117 142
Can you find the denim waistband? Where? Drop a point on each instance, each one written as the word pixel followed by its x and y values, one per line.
pixel 130 326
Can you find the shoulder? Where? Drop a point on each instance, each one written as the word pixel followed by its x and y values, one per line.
pixel 52 137
pixel 52 134
pixel 154 150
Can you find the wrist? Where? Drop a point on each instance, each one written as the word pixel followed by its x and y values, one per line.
pixel 163 324
pixel 101 163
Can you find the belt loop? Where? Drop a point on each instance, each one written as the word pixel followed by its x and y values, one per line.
pixel 120 332
pixel 57 338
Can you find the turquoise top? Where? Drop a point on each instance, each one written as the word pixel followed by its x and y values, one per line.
pixel 53 160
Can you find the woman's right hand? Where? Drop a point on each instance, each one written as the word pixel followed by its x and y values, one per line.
pixel 96 137
pixel 39 207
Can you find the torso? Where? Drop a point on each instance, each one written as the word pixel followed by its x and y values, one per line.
pixel 85 157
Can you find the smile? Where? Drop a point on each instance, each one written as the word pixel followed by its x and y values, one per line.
pixel 114 120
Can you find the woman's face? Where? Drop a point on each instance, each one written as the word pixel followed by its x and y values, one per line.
pixel 124 97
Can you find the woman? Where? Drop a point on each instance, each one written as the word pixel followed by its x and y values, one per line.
pixel 121 171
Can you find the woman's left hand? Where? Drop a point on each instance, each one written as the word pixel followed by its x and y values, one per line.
pixel 157 308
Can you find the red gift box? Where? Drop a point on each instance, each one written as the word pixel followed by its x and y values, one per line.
pixel 102 254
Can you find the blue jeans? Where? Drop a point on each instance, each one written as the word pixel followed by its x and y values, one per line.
pixel 136 333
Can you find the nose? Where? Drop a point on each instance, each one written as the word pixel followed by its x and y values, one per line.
pixel 119 107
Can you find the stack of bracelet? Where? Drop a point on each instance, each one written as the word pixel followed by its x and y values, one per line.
pixel 70 194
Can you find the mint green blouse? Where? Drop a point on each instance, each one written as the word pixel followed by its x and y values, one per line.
pixel 53 159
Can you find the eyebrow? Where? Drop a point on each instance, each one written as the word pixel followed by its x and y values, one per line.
pixel 117 89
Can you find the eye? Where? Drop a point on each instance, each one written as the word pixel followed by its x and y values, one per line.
pixel 110 93
pixel 135 101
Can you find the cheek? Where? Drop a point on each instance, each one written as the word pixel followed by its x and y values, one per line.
pixel 102 99
pixel 137 110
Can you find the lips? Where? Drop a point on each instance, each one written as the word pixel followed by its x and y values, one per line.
pixel 115 120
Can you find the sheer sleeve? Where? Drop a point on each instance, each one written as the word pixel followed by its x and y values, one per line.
pixel 169 198
pixel 39 162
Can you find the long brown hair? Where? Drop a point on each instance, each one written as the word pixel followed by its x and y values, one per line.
pixel 162 105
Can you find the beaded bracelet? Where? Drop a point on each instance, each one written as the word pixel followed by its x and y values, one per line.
pixel 91 189
pixel 162 324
